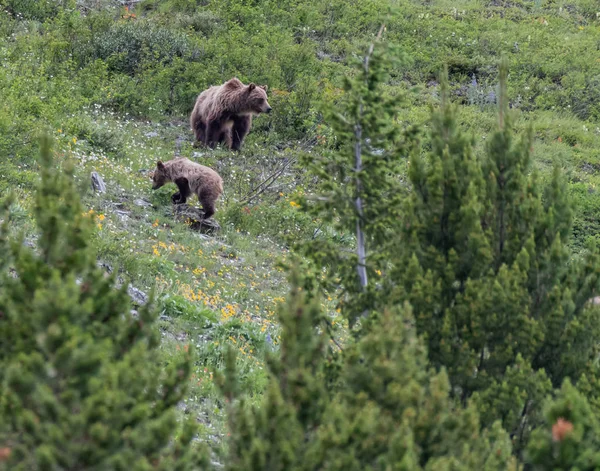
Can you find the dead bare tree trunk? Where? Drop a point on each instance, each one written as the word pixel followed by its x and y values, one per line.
pixel 360 234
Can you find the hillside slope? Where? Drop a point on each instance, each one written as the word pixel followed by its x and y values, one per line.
pixel 114 87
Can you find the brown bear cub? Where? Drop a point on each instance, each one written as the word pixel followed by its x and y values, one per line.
pixel 223 113
pixel 190 177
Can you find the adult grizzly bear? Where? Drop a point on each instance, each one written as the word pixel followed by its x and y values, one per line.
pixel 224 113
pixel 190 177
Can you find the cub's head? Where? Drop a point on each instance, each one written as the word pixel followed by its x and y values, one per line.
pixel 159 177
pixel 257 99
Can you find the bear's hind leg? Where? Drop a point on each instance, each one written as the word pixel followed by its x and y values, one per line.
pixel 207 200
pixel 225 138
pixel 213 134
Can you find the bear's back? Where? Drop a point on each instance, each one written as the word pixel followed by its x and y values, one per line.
pixel 196 174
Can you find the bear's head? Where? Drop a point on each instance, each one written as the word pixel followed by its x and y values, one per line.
pixel 257 99
pixel 159 177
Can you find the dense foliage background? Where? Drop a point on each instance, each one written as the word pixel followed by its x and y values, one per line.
pixel 474 343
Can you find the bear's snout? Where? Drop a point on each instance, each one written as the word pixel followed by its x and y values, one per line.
pixel 268 110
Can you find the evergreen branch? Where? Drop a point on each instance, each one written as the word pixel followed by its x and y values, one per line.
pixel 331 337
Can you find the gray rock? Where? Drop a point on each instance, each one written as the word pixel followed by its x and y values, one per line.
pixel 194 218
pixel 151 134
pixel 105 266
pixel 142 203
pixel 123 215
pixel 138 297
pixel 98 184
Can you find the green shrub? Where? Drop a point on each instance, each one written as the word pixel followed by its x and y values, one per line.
pixel 39 10
pixel 204 22
pixel 127 46
pixel 97 135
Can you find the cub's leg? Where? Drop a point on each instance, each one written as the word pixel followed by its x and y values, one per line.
pixel 207 200
pixel 184 191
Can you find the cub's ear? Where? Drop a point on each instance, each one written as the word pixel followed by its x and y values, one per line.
pixel 264 87
pixel 160 165
pixel 251 87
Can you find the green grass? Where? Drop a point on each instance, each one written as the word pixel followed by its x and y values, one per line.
pixel 117 105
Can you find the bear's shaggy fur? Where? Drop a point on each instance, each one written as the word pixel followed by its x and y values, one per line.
pixel 223 113
pixel 190 177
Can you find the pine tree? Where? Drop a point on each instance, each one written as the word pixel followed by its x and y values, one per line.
pixel 359 188
pixel 570 436
pixel 390 410
pixel 484 261
pixel 478 247
pixel 81 387
pixel 396 412
pixel 276 434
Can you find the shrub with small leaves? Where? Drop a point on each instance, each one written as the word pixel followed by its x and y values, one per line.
pixel 125 46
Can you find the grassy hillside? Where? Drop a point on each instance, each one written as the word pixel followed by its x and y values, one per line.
pixel 115 87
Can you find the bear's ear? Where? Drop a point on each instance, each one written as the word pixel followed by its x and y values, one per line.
pixel 160 165
pixel 234 83
pixel 264 87
pixel 251 87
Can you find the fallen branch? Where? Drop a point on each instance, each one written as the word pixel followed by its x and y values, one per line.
pixel 267 183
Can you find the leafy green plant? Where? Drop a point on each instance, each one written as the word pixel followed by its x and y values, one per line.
pixel 126 46
pixel 35 10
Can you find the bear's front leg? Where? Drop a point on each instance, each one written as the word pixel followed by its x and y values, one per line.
pixel 241 127
pixel 200 132
pixel 184 191
pixel 176 198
